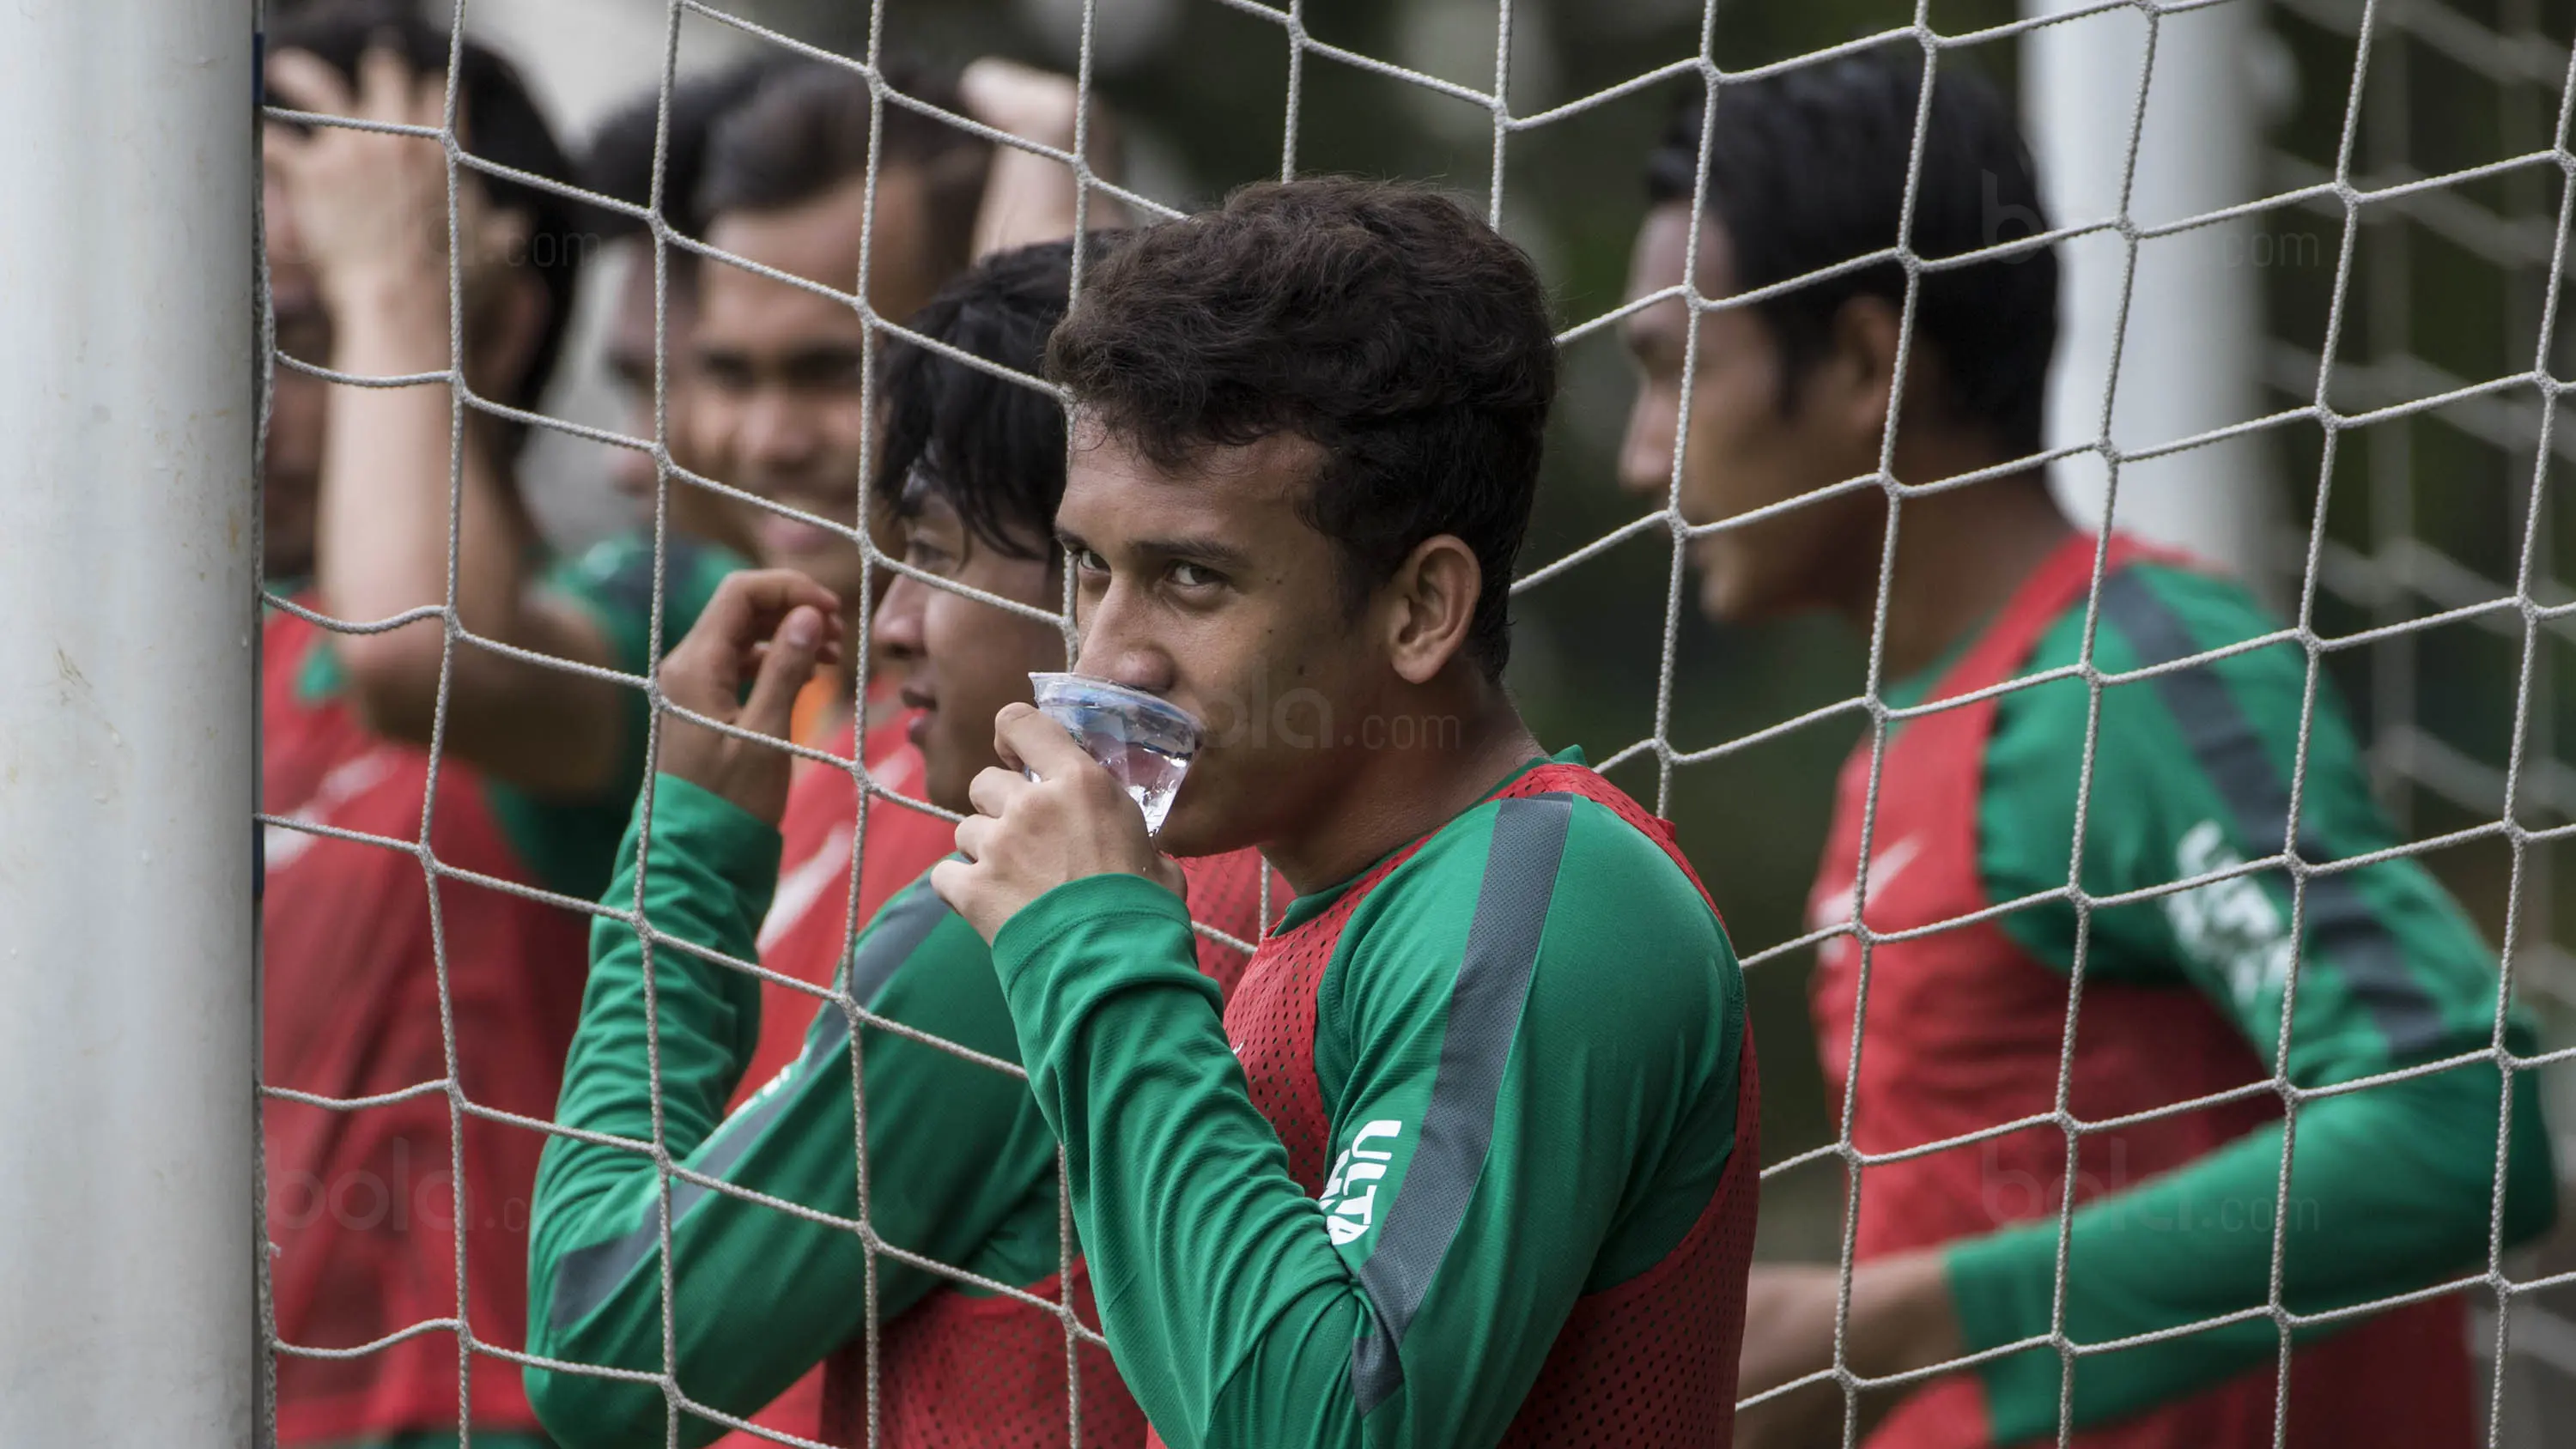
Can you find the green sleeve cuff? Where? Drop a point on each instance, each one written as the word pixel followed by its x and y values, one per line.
pixel 2002 1286
pixel 740 848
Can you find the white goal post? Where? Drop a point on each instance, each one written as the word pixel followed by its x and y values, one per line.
pixel 129 534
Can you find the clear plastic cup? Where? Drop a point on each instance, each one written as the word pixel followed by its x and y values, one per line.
pixel 1144 740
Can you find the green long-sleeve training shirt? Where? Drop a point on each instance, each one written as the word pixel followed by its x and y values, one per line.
pixel 1555 1100
pixel 2391 1186
pixel 961 1166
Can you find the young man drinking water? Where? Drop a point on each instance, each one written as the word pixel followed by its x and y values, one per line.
pixel 1469 1159
pixel 961 1169
pixel 2179 1057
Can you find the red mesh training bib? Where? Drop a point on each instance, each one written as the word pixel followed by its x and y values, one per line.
pixel 1649 1362
pixel 1964 1032
pixel 361 1203
pixel 981 1373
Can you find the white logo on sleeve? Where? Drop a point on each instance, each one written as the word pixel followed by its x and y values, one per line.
pixel 1836 909
pixel 2231 925
pixel 1350 1194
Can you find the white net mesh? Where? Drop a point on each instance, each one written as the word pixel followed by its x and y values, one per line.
pixel 2411 284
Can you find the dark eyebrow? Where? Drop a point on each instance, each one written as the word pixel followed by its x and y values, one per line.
pixel 1207 552
pixel 633 369
pixel 1198 550
pixel 823 358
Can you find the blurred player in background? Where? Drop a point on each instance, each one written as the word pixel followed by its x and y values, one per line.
pixel 536 766
pixel 620 163
pixel 786 187
pixel 1484 1171
pixel 2183 994
pixel 776 169
pixel 960 1166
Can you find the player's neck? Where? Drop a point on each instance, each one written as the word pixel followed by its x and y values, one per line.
pixel 1462 741
pixel 1960 556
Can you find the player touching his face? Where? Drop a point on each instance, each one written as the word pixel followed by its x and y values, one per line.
pixel 1468 1158
pixel 961 1168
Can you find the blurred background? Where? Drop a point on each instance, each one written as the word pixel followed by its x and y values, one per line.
pixel 2430 301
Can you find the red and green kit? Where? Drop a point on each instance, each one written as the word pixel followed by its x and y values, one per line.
pixel 1469 1158
pixel 2177 1034
pixel 363 1200
pixel 961 1173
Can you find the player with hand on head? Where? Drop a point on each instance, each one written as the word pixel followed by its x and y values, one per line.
pixel 621 163
pixel 961 1168
pixel 782 416
pixel 2184 993
pixel 1022 199
pixel 1469 1157
pixel 536 770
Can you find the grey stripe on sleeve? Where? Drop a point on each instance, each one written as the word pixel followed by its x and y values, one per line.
pixel 2348 936
pixel 1458 1127
pixel 586 1277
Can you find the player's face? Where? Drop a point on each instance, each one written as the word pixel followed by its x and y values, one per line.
pixel 963 659
pixel 1204 585
pixel 292 462
pixel 694 512
pixel 1743 450
pixel 780 367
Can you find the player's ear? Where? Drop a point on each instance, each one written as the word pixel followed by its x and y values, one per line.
pixel 1856 381
pixel 1430 605
pixel 504 325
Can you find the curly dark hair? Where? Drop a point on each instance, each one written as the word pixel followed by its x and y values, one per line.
pixel 805 131
pixel 1807 168
pixel 1379 321
pixel 992 447
pixel 621 156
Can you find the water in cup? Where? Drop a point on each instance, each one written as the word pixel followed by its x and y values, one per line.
pixel 1143 740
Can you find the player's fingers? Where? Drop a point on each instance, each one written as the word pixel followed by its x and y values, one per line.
pixel 302 81
pixel 775 591
pixel 992 790
pixel 747 607
pixel 281 146
pixel 954 881
pixel 1022 734
pixel 385 87
pixel 784 668
pixel 1017 98
pixel 974 835
pixel 429 103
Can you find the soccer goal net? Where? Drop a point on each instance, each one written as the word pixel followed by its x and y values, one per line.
pixel 2312 313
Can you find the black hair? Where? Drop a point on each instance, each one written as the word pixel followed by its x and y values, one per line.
pixel 619 161
pixel 502 125
pixel 1807 168
pixel 1379 321
pixel 993 448
pixel 805 132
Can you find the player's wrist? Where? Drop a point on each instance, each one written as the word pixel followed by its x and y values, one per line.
pixel 388 296
pixel 1902 1316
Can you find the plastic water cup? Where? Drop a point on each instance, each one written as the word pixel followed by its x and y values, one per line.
pixel 1143 740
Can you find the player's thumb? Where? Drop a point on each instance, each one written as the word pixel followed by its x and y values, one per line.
pixel 784 668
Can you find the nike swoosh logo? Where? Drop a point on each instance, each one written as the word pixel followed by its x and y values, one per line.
pixel 800 887
pixel 1836 909
pixel 280 845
